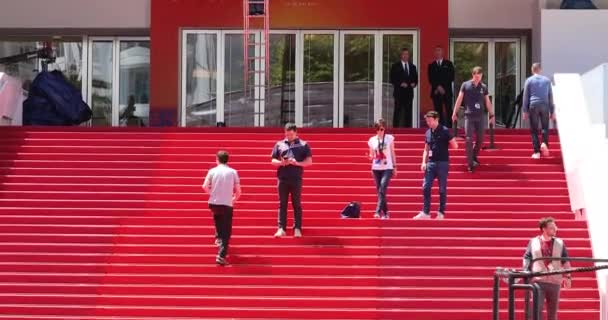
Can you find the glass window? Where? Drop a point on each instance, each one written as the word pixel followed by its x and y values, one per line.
pixel 201 80
pixel 238 111
pixel 506 68
pixel 134 108
pixel 25 70
pixel 391 51
pixel 68 53
pixel 467 55
pixel 102 83
pixel 318 80
pixel 281 106
pixel 359 69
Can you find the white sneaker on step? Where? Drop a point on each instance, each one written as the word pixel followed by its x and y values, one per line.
pixel 536 156
pixel 544 149
pixel 422 216
pixel 297 233
pixel 440 216
pixel 280 233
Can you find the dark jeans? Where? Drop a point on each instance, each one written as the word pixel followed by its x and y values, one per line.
pixel 382 179
pixel 402 115
pixel 473 126
pixel 294 187
pixel 222 216
pixel 539 114
pixel 439 171
pixel 440 102
pixel 550 294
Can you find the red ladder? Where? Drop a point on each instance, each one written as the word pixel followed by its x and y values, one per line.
pixel 256 54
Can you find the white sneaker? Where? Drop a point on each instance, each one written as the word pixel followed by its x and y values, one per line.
pixel 422 216
pixel 280 233
pixel 544 149
pixel 297 233
pixel 440 216
pixel 536 156
pixel 385 217
pixel 376 215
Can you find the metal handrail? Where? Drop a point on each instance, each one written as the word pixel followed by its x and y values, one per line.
pixel 511 275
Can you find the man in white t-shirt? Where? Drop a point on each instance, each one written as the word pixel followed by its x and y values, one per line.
pixel 224 188
pixel 384 164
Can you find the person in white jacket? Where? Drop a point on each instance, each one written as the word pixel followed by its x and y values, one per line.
pixel 11 101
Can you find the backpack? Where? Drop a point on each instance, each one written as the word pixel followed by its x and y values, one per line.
pixel 352 210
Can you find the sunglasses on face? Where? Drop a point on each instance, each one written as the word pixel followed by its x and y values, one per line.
pixel 380 129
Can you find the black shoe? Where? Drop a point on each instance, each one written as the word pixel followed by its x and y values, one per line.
pixel 221 261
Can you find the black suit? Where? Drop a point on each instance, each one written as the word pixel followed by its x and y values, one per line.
pixel 442 75
pixel 404 97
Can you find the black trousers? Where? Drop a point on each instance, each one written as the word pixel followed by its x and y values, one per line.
pixel 293 187
pixel 222 216
pixel 441 101
pixel 402 115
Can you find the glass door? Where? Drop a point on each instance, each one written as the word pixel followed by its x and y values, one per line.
pixel 319 79
pixel 501 60
pixel 357 79
pixel 200 78
pixel 506 80
pixel 119 81
pixel 392 44
pixel 237 111
pixel 101 82
pixel 280 106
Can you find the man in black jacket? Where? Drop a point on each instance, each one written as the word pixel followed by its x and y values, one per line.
pixel 404 78
pixel 441 77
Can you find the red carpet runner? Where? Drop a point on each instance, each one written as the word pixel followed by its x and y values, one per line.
pixel 101 224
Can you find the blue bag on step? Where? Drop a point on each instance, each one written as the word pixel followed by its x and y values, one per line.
pixel 352 210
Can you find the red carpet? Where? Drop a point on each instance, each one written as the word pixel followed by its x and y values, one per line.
pixel 108 224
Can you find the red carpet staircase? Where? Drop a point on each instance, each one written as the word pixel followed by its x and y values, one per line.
pixel 106 224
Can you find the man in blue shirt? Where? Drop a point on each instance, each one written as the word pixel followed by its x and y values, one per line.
pixel 474 95
pixel 437 140
pixel 290 155
pixel 538 106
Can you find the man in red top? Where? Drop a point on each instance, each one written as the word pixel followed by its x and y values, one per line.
pixel 548 245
